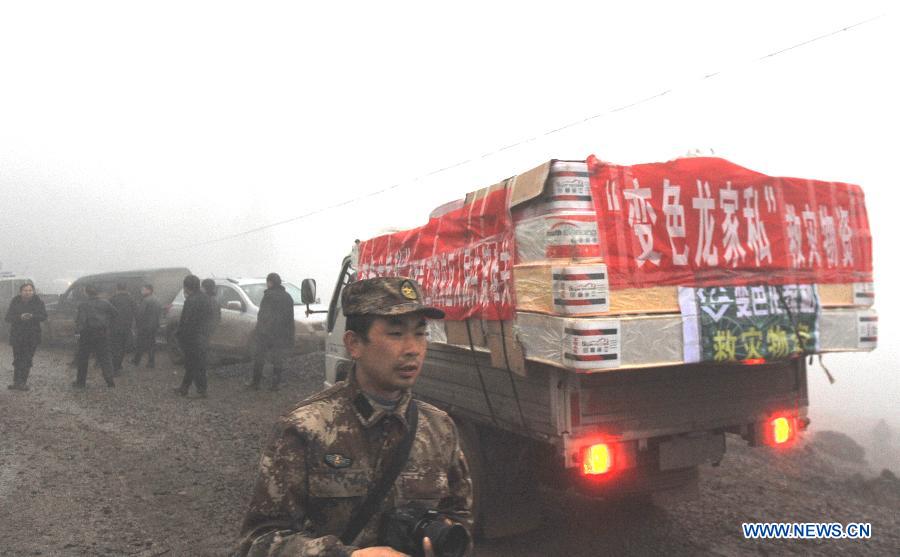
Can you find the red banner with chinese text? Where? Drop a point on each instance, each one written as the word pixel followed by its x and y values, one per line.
pixel 689 222
pixel 463 259
pixel 708 222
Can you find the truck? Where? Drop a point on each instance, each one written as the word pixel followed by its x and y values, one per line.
pixel 620 390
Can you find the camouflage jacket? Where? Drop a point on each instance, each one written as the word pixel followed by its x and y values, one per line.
pixel 322 459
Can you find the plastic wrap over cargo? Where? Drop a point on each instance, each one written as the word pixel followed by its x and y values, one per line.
pixel 437 331
pixel 596 344
pixel 562 221
pixel 556 234
pixel 568 187
pixel 655 340
pixel 863 294
pixel 849 330
pixel 580 289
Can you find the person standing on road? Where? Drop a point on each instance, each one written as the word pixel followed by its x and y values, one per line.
pixel 274 331
pixel 314 493
pixel 120 329
pixel 209 288
pixel 191 336
pixel 92 323
pixel 146 320
pixel 25 313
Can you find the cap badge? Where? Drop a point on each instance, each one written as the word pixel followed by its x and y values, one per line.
pixel 408 291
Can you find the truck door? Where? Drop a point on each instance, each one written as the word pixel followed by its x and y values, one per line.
pixel 337 362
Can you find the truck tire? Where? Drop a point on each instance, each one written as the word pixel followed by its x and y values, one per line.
pixel 504 482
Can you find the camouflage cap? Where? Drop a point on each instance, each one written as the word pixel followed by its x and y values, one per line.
pixel 386 296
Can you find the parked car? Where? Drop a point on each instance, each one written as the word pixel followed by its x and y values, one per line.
pixel 61 313
pixel 239 300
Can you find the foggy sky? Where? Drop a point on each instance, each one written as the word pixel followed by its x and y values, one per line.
pixel 128 132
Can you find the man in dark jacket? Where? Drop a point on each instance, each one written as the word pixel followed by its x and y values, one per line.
pixel 209 288
pixel 92 323
pixel 120 330
pixel 191 336
pixel 25 313
pixel 146 321
pixel 274 331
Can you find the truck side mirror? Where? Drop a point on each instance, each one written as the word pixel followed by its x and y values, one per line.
pixel 308 291
pixel 234 305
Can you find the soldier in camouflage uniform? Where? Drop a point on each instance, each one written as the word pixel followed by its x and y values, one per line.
pixel 326 453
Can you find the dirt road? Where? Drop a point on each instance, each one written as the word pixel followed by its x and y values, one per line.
pixel 138 471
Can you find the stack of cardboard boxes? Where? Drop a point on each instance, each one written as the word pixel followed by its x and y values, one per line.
pixel 566 314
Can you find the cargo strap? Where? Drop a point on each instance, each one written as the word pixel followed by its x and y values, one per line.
pixel 825 369
pixel 484 391
pixel 512 381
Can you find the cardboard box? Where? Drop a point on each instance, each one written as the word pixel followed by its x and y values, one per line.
pixel 506 352
pixel 458 333
pixel 499 338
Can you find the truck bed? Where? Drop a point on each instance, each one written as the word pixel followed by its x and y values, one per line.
pixel 628 404
pixel 450 380
pixel 650 402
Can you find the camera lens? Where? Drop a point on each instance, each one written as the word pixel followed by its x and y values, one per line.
pixel 447 540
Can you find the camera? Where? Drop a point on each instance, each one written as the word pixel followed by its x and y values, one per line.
pixel 404 529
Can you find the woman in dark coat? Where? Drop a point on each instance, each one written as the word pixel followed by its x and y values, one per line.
pixel 26 311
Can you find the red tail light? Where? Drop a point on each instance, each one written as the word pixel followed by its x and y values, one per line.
pixel 597 459
pixel 781 430
pixel 753 361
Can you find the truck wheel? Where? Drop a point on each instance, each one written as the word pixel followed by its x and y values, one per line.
pixel 504 483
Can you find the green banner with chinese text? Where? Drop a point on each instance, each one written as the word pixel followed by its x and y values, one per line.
pixel 749 323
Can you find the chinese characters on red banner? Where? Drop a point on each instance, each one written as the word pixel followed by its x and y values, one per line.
pixel 699 222
pixel 463 259
pixel 706 221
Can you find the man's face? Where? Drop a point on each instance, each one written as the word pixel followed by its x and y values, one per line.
pixel 145 291
pixel 27 292
pixel 391 360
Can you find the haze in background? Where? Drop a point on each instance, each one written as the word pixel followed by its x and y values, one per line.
pixel 130 132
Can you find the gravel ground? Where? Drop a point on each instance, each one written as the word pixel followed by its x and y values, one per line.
pixel 136 470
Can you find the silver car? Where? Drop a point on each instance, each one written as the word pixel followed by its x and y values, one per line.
pixel 239 300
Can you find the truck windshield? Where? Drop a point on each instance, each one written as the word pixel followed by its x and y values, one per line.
pixel 255 292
